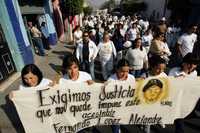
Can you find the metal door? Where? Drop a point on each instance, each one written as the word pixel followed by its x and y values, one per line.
pixel 7 66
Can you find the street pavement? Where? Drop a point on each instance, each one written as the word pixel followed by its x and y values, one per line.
pixel 51 66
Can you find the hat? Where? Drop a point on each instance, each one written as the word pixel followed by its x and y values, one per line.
pixel 151 83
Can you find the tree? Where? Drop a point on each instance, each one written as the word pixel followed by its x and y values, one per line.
pixel 72 7
pixel 129 7
pixel 87 10
pixel 179 9
pixel 108 5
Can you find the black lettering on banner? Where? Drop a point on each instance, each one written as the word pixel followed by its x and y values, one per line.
pixel 41 98
pixel 119 92
pixel 136 101
pixel 110 121
pixel 60 128
pixel 166 103
pixel 99 114
pixel 109 104
pixel 61 110
pixel 41 114
pixel 59 98
pixel 80 108
pixel 144 120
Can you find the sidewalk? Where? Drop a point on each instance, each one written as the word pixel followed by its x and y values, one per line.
pixel 50 66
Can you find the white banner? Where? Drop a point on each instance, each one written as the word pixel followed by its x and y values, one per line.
pixel 71 107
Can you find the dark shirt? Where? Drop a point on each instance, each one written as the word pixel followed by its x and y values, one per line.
pixel 85 52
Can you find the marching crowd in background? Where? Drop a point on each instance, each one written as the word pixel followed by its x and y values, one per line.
pixel 126 49
pixel 109 39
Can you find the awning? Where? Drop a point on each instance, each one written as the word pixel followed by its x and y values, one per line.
pixel 32 10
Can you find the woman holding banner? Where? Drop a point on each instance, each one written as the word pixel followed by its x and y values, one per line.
pixel 70 70
pixel 122 74
pixel 32 77
pixel 157 67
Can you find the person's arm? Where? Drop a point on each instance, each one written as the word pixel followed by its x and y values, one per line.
pixel 114 50
pixel 167 51
pixel 155 48
pixel 89 80
pixel 78 52
pixel 95 51
pixel 127 57
pixel 178 45
pixel 99 48
pixel 145 60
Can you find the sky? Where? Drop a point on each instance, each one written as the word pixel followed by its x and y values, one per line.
pixel 97 3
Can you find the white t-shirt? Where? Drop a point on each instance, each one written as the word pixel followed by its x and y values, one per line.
pixel 78 36
pixel 176 71
pixel 166 49
pixel 106 50
pixel 44 82
pixel 146 40
pixel 83 76
pixel 132 34
pixel 186 42
pixel 161 75
pixel 130 78
pixel 136 58
pixel 91 23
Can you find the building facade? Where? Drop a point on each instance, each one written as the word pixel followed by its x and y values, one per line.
pixel 15 49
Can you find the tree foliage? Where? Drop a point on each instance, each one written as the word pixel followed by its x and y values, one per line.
pixel 72 7
pixel 129 7
pixel 179 9
pixel 108 5
pixel 87 10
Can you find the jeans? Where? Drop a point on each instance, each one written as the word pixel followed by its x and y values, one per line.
pixel 106 67
pixel 88 67
pixel 39 45
pixel 115 128
pixel 137 73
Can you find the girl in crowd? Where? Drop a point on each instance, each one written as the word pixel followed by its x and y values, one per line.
pixel 157 67
pixel 137 57
pixel 71 71
pixel 107 55
pixel 187 69
pixel 122 74
pixel 32 76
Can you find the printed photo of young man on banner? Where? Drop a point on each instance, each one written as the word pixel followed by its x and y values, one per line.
pixel 152 90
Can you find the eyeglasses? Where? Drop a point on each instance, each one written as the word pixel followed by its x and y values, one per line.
pixel 85 35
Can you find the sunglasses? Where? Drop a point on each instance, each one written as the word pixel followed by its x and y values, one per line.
pixel 85 35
